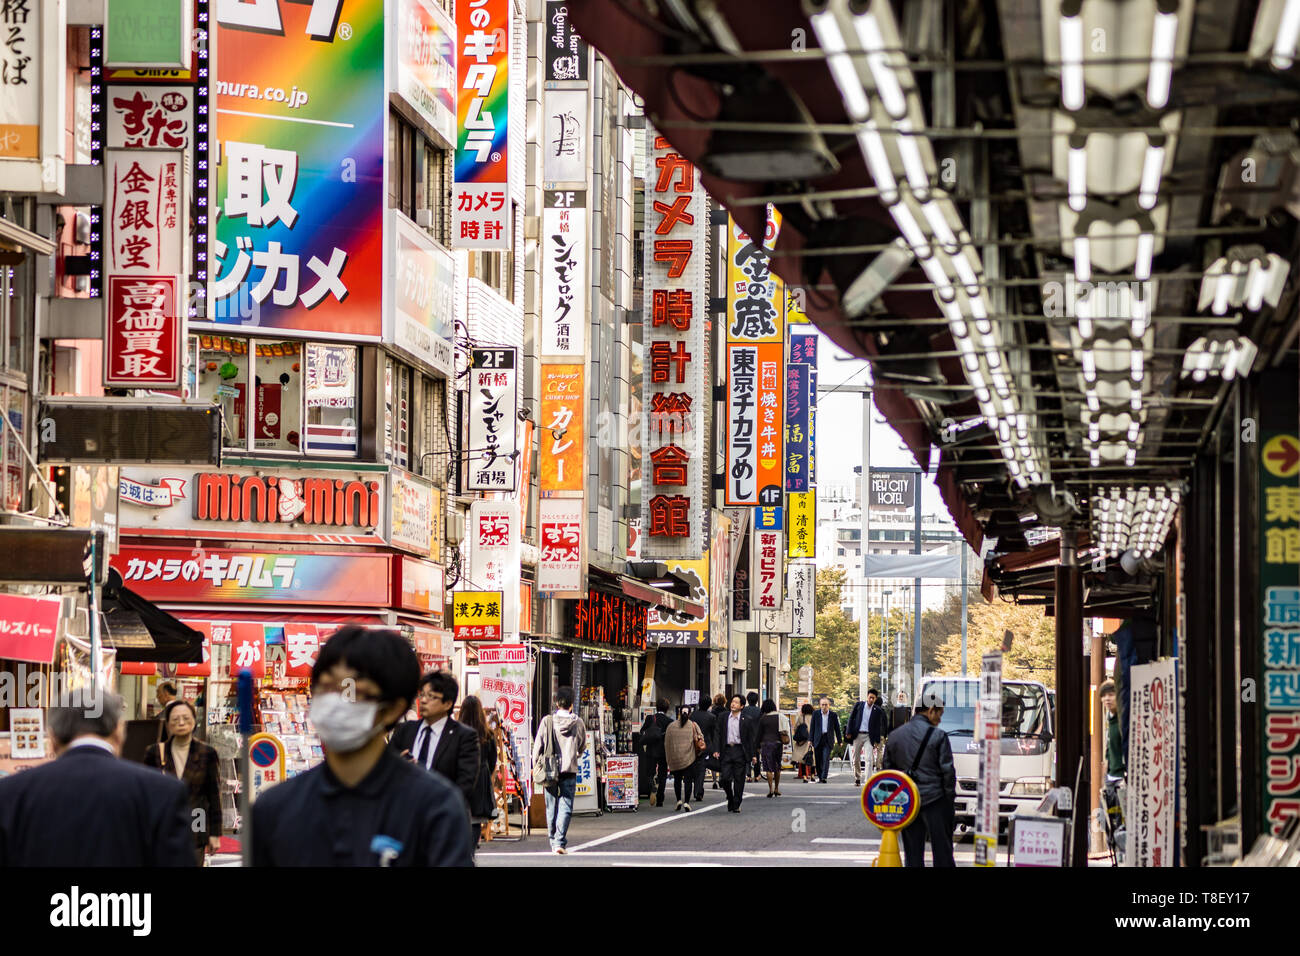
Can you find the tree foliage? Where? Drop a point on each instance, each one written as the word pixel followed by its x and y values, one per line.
pixel 1033 645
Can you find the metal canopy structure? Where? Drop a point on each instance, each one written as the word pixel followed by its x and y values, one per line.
pixel 1058 230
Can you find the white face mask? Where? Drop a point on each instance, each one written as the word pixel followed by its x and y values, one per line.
pixel 344 725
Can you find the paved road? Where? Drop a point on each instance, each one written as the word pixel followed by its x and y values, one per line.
pixel 810 824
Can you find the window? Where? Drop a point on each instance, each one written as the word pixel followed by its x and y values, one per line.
pixel 418 177
pixel 13 404
pixel 496 269
pixel 15 309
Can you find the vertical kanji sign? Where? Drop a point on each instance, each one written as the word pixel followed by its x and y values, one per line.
pixel 801 524
pixel 301 645
pixel 768 579
pixel 801 589
pixel 142 332
pixel 561 438
pixel 796 427
pixel 476 616
pixel 494 557
pixel 564 252
pixel 561 557
pixel 493 418
pixel 248 649
pixel 672 432
pixel 481 194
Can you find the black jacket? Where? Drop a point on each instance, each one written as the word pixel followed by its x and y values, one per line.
pixel 654 749
pixel 708 726
pixel 484 799
pixel 87 808
pixel 456 756
pixel 201 782
pixel 748 734
pixel 861 722
pixel 399 815
pixel 833 731
pixel 935 776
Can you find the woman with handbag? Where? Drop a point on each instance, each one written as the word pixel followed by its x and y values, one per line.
pixel 771 741
pixel 683 745
pixel 801 751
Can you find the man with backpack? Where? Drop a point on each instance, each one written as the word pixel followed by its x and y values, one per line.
pixel 652 745
pixel 921 750
pixel 561 739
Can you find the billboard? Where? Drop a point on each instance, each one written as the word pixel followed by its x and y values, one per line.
pixel 424 49
pixel 564 252
pixel 566 52
pixel 423 295
pixel 562 439
pixel 300 185
pixel 493 419
pixel 893 490
pixel 566 158
pixel 561 560
pixel 481 194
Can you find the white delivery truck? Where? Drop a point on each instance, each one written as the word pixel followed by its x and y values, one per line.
pixel 1028 758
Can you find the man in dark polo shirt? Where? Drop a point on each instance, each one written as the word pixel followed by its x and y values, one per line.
pixel 365 805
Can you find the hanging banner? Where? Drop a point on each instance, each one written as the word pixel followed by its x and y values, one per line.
pixel 476 616
pixel 796 428
pixel 301 646
pixel 494 554
pixel 566 158
pixel 801 588
pixel 561 559
pixel 423 46
pixel 741 605
pixel 564 252
pixel 812 427
pixel 562 445
pixel 248 649
pixel 720 569
pixel 1152 752
pixel 300 186
pixel 481 211
pixel 801 520
pixel 768 577
pixel 674 319
pixel 803 351
pixel 566 52
pixel 493 418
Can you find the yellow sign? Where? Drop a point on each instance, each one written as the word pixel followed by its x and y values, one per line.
pixel 1282 456
pixel 801 524
pixel 476 615
pixel 755 293
pixel 794 306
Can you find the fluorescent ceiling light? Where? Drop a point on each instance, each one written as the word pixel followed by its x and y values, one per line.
pixel 909 148
pixel 935 272
pixel 882 174
pixel 1072 94
pixel 882 74
pixel 940 227
pixel 1082 259
pixel 1146 246
pixel 966 273
pixel 1288 36
pixel 1223 292
pixel 1153 167
pixel 1077 177
pixel 1163 37
pixel 915 238
pixel 829 37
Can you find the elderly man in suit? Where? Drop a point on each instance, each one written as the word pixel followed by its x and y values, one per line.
pixel 87 807
pixel 825 734
pixel 436 742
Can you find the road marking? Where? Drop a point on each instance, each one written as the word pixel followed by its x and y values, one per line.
pixel 701 854
pixel 850 840
pixel 644 826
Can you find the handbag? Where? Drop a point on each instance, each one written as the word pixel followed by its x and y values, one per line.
pixel 783 724
pixel 547 771
pixel 700 744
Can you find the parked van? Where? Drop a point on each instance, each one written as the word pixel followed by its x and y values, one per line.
pixel 1027 765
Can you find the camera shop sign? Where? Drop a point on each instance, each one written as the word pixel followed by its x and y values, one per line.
pixel 342 506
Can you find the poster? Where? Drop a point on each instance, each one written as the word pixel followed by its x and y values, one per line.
pixel 988 784
pixel 621 782
pixel 801 588
pixel 301 109
pixel 27 733
pixel 567 145
pixel 494 554
pixel 562 448
pixel 1152 751
pixel 564 251
pixel 481 192
pixel 505 682
pixel 561 562
pixel 493 419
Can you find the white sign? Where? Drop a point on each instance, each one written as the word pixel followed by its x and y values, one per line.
pixel 146 212
pixel 1038 841
pixel 561 558
pixel 411 517
pixel 566 157
pixel 1152 765
pixel 493 419
pixel 27 733
pixel 33 80
pixel 585 797
pixel 802 591
pixel 563 253
pixel 419 315
pixel 504 685
pixel 494 557
pixel 691 697
pixel 989 734
pixel 149 117
pixel 780 621
pixel 767 556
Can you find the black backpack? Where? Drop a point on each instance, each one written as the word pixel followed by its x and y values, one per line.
pixel 652 734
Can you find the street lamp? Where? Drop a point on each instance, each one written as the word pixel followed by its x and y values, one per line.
pixel 884 643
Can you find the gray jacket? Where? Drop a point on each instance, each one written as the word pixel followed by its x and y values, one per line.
pixel 935 776
pixel 570 739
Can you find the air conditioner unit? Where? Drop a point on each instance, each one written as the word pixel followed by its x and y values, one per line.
pixel 424 217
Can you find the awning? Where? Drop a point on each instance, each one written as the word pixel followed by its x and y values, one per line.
pixel 657 597
pixel 142 631
pixel 238 615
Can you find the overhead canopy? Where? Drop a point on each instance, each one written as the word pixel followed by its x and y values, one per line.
pixel 142 631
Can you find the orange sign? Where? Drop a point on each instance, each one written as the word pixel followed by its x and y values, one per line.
pixel 562 429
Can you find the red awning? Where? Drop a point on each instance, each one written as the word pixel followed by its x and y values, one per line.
pixel 664 599
pixel 237 615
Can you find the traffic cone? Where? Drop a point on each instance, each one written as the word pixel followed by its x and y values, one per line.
pixel 889 855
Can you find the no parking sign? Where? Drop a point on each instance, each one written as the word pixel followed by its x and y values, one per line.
pixel 265 763
pixel 890 799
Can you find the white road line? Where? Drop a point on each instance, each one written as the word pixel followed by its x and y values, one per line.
pixel 645 826
pixel 290 119
pixel 849 840
pixel 702 854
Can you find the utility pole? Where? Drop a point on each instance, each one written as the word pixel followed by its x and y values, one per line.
pixel 916 620
pixel 864 621
pixel 964 548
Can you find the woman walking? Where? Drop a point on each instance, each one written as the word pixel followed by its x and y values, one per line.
pixel 770 746
pixel 194 764
pixel 801 749
pixel 483 802
pixel 683 744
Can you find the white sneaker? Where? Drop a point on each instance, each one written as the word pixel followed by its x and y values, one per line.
pixel 561 850
pixel 686 807
pixel 679 806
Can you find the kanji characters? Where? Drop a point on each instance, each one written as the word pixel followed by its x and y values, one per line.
pixel 662 355
pixel 670 516
pixel 669 465
pixel 261 183
pixel 672 307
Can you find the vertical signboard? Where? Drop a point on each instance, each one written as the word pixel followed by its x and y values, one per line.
pixel 33 78
pixel 801 524
pixel 796 428
pixel 423 43
pixel 720 566
pixel 566 158
pixel 1279 574
pixel 768 581
pixel 1152 748
pixel 801 589
pixel 564 253
pixel 493 419
pixel 561 560
pixel 494 556
pixel 988 785
pixel 300 188
pixel 562 445
pixel 422 294
pixel 481 194
pixel 673 397
pixel 566 52
pixel 505 685
pixel 755 361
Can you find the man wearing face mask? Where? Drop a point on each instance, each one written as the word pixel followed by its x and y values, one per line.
pixel 365 805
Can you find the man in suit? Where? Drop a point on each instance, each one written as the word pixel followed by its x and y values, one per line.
pixel 754 714
pixel 87 807
pixel 708 725
pixel 866 729
pixel 436 742
pixel 825 734
pixel 737 735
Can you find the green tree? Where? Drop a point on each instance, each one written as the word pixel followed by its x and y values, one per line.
pixel 1033 642
pixel 833 651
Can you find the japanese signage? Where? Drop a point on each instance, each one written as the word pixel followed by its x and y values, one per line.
pixel 673 379
pixel 1279 574
pixel 418 586
pixel 147 33
pixel 300 187
pixel 890 799
pixel 150 117
pixel 988 784
pixel 424 43
pixel 481 203
pixel 423 295
pixel 561 561
pixel 212 631
pixel 1152 751
pixel 28 627
pixel 413 517
pixel 248 649
pixel 301 647
pixel 776 621
pixel 255 577
pixel 740 581
pixel 756 393
pixel 494 557
pixel 802 522
pixel 493 419
pixel 563 251
pixel 566 52
pixel 505 685
pixel 768 580
pixel 610 619
pixel 566 158
pixel 796 428
pixel 720 568
pixel 265 764
pixel 669 626
pixel 621 782
pixel 892 490
pixel 562 438
pixel 143 332
pixel 1038 841
pixel 476 616
pixel 20 78
pixel 801 588
pixel 147 203
pixel 769 519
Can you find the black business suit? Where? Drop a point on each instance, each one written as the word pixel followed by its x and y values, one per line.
pixel 87 808
pixel 708 725
pixel 823 741
pixel 753 713
pixel 456 756
pixel 736 758
pixel 201 783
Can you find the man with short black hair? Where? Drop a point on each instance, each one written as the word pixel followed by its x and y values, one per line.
pixel 755 715
pixel 866 731
pixel 437 742
pixel 652 745
pixel 88 808
pixel 737 736
pixel 708 725
pixel 365 805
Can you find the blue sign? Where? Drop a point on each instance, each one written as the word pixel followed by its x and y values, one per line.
pixel 796 428
pixel 264 754
pixel 769 519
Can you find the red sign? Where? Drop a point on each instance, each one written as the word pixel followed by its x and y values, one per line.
pixel 142 333
pixel 248 650
pixel 28 628
pixel 301 646
pixel 610 619
pixel 204 668
pixel 138 669
pixel 220 496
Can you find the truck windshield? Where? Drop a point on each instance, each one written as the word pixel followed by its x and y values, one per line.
pixel 1024 715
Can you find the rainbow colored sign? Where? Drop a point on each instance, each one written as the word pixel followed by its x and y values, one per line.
pixel 481 210
pixel 298 223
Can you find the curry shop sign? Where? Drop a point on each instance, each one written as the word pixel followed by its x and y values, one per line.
pixel 280 503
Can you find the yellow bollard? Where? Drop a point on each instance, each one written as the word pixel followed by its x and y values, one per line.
pixel 889 855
